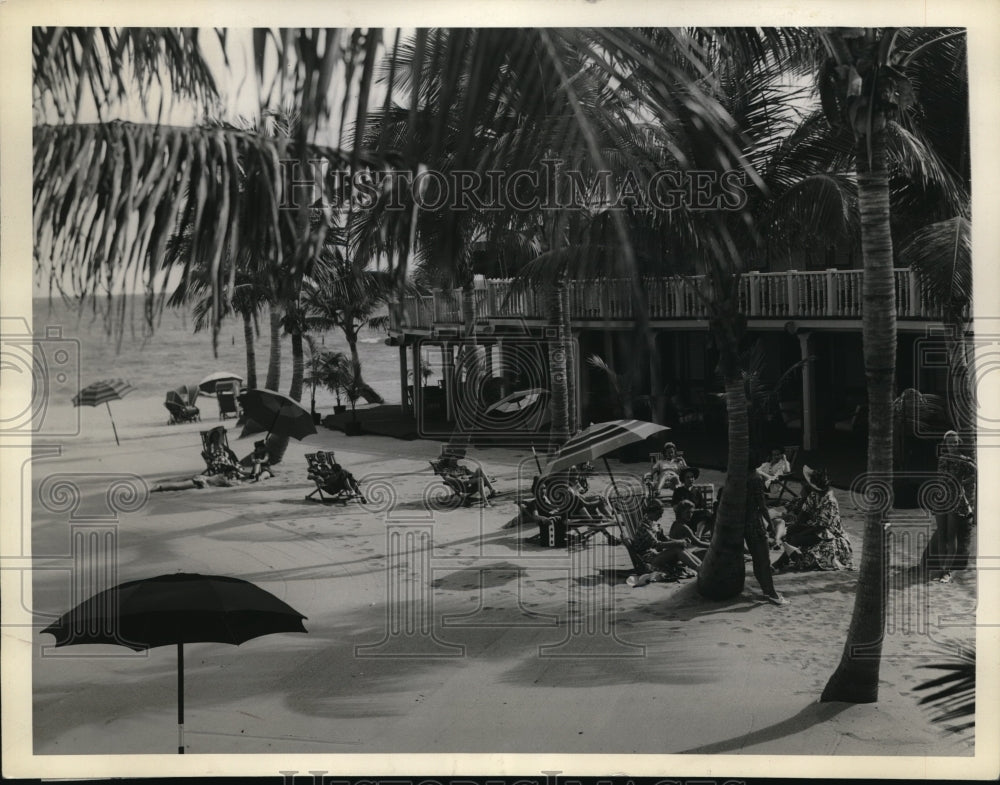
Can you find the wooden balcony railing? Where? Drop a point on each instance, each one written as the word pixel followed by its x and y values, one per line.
pixel 793 294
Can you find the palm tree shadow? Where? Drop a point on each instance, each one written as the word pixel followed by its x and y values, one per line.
pixel 810 715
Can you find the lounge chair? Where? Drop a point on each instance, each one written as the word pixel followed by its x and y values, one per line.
pixel 228 405
pixel 332 479
pixel 555 522
pixel 788 486
pixel 180 411
pixel 218 457
pixel 467 485
pixel 627 513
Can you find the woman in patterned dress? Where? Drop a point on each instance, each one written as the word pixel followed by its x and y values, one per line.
pixel 815 539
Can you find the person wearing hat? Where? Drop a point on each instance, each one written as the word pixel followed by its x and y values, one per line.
pixel 685 491
pixel 814 539
pixel 665 472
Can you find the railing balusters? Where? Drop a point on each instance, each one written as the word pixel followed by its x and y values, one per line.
pixel 806 294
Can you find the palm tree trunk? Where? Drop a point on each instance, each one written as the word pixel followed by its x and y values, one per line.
pixel 572 364
pixel 558 370
pixel 298 367
pixel 723 570
pixel 248 337
pixel 274 361
pixel 856 678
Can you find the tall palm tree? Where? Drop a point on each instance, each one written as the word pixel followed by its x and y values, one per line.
pixel 339 296
pixel 865 85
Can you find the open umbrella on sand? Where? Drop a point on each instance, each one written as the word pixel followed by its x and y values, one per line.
pixel 281 414
pixel 600 439
pixel 174 610
pixel 207 385
pixel 104 392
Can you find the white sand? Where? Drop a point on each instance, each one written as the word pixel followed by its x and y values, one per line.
pixel 681 675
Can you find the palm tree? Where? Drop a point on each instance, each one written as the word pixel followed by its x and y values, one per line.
pixel 864 87
pixel 339 296
pixel 941 255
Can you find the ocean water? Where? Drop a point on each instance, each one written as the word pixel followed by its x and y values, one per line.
pixel 173 353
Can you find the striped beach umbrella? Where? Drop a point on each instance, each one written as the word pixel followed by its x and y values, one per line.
pixel 600 439
pixel 104 392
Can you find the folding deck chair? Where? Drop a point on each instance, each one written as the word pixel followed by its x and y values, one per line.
pixel 463 483
pixel 214 465
pixel 783 483
pixel 627 511
pixel 332 479
pixel 226 395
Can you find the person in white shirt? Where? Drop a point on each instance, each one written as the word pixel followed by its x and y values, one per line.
pixel 666 472
pixel 772 469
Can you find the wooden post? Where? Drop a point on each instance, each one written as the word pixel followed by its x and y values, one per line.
pixel 418 381
pixel 404 403
pixel 831 292
pixel 916 306
pixel 793 293
pixel 447 373
pixel 753 284
pixel 809 431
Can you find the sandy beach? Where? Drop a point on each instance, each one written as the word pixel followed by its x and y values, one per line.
pixel 440 630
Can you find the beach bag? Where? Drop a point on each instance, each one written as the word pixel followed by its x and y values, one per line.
pixel 552 533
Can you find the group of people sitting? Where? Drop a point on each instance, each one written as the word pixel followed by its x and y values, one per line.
pixel 223 468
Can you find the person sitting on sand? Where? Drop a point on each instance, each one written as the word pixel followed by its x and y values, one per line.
pixel 259 461
pixel 774 467
pixel 814 538
pixel 661 554
pixel 665 472
pixel 683 528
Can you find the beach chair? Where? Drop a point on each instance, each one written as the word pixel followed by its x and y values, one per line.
pixel 556 523
pixel 218 457
pixel 180 412
pixel 627 513
pixel 647 478
pixel 788 487
pixel 463 483
pixel 226 395
pixel 332 479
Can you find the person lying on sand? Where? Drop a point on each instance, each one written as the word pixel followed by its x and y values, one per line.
pixel 223 472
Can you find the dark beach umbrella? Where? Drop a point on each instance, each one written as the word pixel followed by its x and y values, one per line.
pixel 279 413
pixel 174 610
pixel 600 439
pixel 104 392
pixel 207 385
